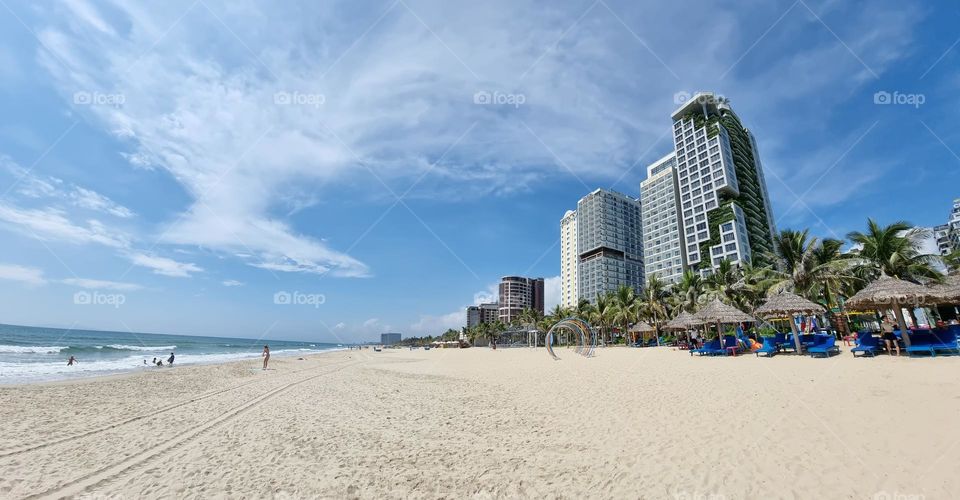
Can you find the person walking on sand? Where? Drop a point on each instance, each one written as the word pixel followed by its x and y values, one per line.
pixel 266 356
pixel 72 361
pixel 170 359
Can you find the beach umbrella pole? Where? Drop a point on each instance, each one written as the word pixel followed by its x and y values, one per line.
pixel 903 324
pixel 796 334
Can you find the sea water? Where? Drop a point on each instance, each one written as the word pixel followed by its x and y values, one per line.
pixel 31 354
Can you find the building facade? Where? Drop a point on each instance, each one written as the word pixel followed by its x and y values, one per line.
pixel 663 241
pixel 609 243
pixel 942 234
pixel 390 338
pixel 725 208
pixel 518 293
pixel 955 225
pixel 482 313
pixel 569 295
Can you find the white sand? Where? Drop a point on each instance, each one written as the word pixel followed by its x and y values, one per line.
pixel 629 423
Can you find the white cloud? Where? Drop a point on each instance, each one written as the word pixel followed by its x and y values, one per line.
pixel 29 275
pixel 52 224
pixel 232 283
pixel 101 284
pixel 487 295
pixel 435 325
pixel 164 266
pixel 32 185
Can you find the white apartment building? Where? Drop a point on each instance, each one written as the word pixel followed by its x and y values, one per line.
pixel 569 295
pixel 663 241
pixel 725 208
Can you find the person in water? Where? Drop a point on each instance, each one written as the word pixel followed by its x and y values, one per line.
pixel 72 361
pixel 266 356
pixel 170 359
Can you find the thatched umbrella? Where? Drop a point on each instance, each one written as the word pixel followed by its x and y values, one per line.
pixel 946 293
pixel 888 292
pixel 641 327
pixel 720 313
pixel 683 321
pixel 788 304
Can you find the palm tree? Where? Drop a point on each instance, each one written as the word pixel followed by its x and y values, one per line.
pixel 723 281
pixel 624 309
pixel 601 311
pixel 493 331
pixel 952 261
pixel 895 251
pixel 816 270
pixel 690 290
pixel 654 303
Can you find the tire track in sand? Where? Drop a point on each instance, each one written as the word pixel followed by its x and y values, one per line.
pixel 105 474
pixel 9 452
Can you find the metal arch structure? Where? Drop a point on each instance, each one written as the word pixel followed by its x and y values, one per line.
pixel 580 328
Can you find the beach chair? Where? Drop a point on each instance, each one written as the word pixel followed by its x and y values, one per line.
pixel 769 349
pixel 709 348
pixel 867 345
pixel 788 344
pixel 731 345
pixel 931 343
pixel 825 345
pixel 779 338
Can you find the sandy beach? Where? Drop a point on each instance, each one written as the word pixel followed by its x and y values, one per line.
pixel 477 423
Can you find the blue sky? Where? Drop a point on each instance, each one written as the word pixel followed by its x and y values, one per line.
pixel 199 157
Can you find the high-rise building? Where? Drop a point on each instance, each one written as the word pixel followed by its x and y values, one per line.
pixel 663 254
pixel 518 293
pixel 725 208
pixel 482 313
pixel 390 338
pixel 955 225
pixel 569 295
pixel 942 234
pixel 609 242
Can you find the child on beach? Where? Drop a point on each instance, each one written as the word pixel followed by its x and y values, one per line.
pixel 72 361
pixel 170 359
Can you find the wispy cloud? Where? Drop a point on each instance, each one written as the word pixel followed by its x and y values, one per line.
pixel 94 284
pixel 28 275
pixel 165 266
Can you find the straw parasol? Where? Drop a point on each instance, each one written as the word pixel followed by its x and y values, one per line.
pixel 893 293
pixel 720 313
pixel 947 292
pixel 788 304
pixel 641 327
pixel 683 321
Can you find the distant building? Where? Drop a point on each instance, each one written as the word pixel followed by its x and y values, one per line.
pixel 390 338
pixel 955 225
pixel 609 243
pixel 518 293
pixel 482 313
pixel 569 295
pixel 663 255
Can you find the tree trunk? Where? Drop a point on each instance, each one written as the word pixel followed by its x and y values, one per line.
pixel 796 335
pixel 898 311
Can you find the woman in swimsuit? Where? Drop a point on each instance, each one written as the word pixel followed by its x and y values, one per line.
pixel 266 356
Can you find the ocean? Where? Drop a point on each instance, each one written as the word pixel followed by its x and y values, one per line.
pixel 32 354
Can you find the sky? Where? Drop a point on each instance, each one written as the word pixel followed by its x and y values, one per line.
pixel 330 171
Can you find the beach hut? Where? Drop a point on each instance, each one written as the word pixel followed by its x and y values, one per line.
pixel 720 313
pixel 641 327
pixel 947 292
pixel 789 304
pixel 892 293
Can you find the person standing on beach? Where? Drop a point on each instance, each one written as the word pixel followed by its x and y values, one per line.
pixel 886 326
pixel 266 356
pixel 72 361
pixel 170 359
